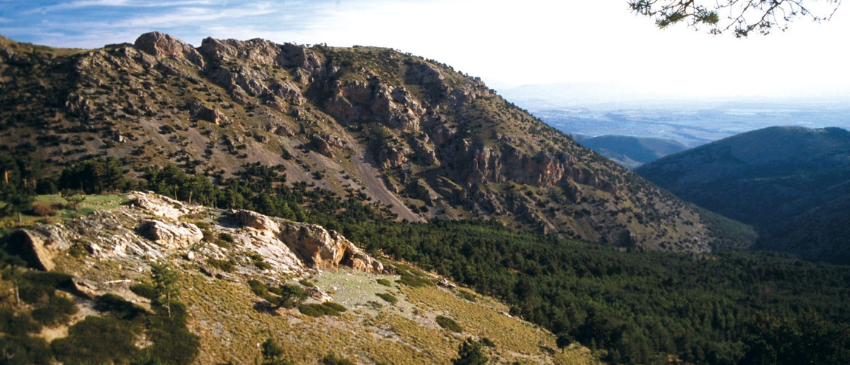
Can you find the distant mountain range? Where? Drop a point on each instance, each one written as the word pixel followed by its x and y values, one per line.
pixel 792 184
pixel 631 152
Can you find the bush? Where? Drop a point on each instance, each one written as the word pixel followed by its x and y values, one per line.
pixel 332 359
pixel 324 309
pixel 42 209
pixel 117 307
pixel 387 297
pixel 334 306
pixel 17 324
pixel 25 350
pixel 144 290
pixel 226 237
pixel 306 283
pixel 449 324
pixel 262 265
pixel 57 311
pixel 223 265
pixel 384 282
pixel 97 340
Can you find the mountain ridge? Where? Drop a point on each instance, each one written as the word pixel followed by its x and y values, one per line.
pixel 779 179
pixel 418 138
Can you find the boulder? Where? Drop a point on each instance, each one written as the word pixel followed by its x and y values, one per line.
pixel 38 246
pixel 171 235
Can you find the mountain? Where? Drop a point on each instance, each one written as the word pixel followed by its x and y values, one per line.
pixel 232 270
pixel 408 135
pixel 792 184
pixel 631 152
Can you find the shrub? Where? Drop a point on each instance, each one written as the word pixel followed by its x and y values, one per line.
pixel 223 265
pixel 332 359
pixel 42 209
pixel 57 311
pixel 97 340
pixel 144 290
pixel 324 309
pixel 306 283
pixel 262 265
pixel 25 350
pixel 384 282
pixel 208 235
pixel 312 310
pixel 17 324
pixel 334 306
pixel 387 297
pixel 449 324
pixel 117 307
pixel 226 237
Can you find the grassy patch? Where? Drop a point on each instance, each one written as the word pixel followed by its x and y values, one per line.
pixel 384 282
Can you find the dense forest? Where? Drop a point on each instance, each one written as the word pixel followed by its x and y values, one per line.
pixel 630 307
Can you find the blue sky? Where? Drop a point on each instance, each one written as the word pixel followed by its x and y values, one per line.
pixel 507 43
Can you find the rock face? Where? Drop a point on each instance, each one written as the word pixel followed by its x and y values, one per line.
pixel 315 246
pixel 163 45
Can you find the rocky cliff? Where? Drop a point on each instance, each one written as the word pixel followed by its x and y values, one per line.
pixel 413 135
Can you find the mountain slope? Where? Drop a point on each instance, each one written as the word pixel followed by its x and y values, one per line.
pixel 629 151
pixel 216 254
pixel 410 135
pixel 792 184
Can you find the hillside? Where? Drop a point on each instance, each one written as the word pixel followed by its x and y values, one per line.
pixel 631 152
pixel 790 183
pixel 410 136
pixel 382 312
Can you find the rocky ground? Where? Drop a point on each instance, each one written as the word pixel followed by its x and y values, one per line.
pixel 216 252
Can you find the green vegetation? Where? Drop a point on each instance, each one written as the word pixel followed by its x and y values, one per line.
pixel 273 353
pixel 144 290
pixel 636 306
pixel 384 282
pixel 223 265
pixel 324 309
pixel 387 297
pixel 284 296
pixel 333 359
pixel 449 324
pixel 110 338
pixel 630 307
pixel 469 353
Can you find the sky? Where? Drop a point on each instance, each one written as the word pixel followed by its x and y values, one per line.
pixel 506 43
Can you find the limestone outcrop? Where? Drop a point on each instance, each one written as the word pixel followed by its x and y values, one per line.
pixel 162 45
pixel 285 247
pixel 315 246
